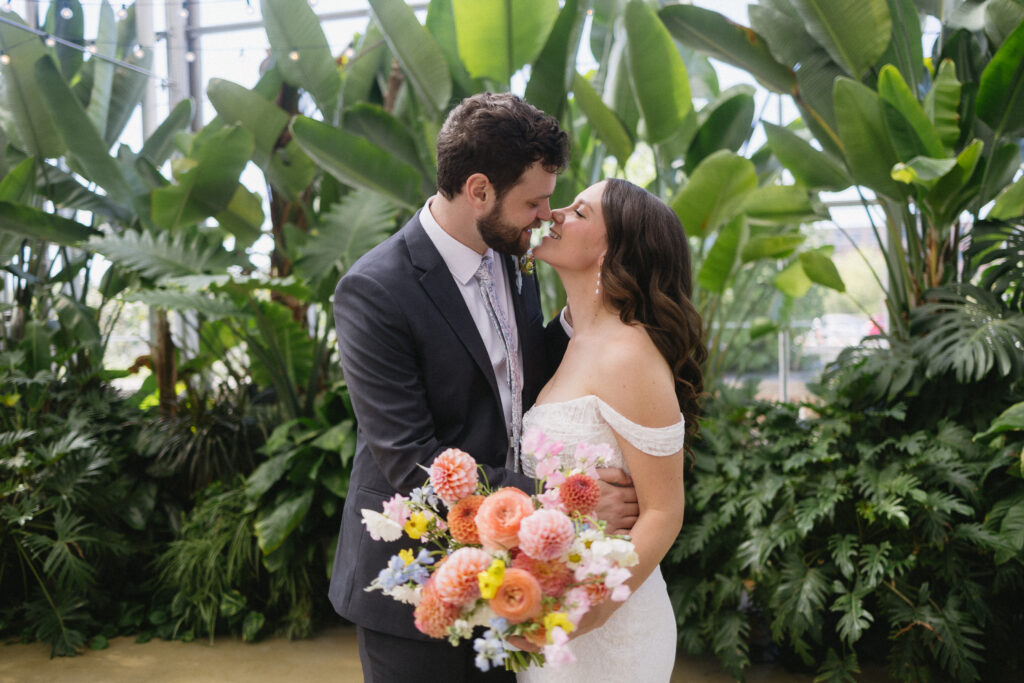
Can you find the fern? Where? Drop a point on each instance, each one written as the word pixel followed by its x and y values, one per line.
pixel 351 228
pixel 213 307
pixel 836 669
pixel 167 254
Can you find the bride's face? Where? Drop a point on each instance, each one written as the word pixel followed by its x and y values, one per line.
pixel 577 239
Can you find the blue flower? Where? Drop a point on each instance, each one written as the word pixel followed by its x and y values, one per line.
pixel 490 650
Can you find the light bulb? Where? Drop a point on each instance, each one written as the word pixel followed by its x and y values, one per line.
pixel 139 52
pixel 293 55
pixel 5 58
pixel 50 41
pixel 122 13
pixel 67 13
pixel 190 56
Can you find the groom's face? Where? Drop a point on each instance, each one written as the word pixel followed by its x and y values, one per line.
pixel 506 227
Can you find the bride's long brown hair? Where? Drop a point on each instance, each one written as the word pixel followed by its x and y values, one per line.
pixel 646 276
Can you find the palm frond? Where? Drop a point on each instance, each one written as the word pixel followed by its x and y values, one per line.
pixel 965 330
pixel 997 254
pixel 213 307
pixel 167 254
pixel 351 228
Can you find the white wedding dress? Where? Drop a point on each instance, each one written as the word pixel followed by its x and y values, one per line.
pixel 638 642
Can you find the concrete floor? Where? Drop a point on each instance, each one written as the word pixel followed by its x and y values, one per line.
pixel 331 656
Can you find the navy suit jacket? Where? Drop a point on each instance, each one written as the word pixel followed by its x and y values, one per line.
pixel 420 381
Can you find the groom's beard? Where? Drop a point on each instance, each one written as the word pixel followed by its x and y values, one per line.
pixel 504 237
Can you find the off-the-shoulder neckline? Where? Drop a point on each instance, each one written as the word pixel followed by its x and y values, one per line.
pixel 605 404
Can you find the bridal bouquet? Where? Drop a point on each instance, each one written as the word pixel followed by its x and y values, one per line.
pixel 520 565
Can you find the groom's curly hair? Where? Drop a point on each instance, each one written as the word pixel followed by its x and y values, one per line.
pixel 499 135
pixel 646 277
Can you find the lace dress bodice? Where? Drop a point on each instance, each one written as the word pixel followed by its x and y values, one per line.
pixel 638 642
pixel 591 420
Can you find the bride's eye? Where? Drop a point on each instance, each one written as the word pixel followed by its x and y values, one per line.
pixel 577 212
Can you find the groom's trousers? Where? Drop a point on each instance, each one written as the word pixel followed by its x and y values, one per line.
pixel 391 659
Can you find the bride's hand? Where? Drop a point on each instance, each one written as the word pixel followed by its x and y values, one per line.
pixel 618 506
pixel 523 644
pixel 595 618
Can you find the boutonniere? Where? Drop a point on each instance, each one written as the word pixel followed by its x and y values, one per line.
pixel 526 265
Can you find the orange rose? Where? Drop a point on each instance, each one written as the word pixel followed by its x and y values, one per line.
pixel 497 520
pixel 518 598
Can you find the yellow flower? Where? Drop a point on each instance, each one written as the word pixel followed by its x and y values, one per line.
pixel 553 620
pixel 491 580
pixel 406 555
pixel 416 526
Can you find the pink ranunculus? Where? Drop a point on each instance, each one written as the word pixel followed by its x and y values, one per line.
pixel 499 516
pixel 396 510
pixel 456 581
pixel 546 534
pixel 453 475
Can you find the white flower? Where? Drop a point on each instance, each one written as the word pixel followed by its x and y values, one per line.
pixel 408 594
pixel 381 527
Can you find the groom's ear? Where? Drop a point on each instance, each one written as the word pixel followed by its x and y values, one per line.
pixel 480 192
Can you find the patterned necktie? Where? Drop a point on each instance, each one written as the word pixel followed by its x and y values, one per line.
pixel 513 375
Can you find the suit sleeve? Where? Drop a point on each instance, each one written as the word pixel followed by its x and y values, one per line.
pixel 379 357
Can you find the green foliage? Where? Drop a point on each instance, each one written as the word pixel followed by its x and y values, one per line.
pixel 852 530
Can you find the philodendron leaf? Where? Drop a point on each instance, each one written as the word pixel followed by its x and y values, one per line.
pixel 820 269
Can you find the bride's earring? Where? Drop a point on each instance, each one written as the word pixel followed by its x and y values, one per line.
pixel 597 290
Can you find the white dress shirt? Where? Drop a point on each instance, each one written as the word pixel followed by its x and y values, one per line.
pixel 463 262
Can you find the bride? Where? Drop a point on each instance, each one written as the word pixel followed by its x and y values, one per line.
pixel 630 378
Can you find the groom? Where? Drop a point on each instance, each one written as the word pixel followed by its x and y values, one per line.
pixel 427 363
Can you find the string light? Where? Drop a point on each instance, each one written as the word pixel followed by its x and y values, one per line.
pixel 139 52
pixel 50 41
pixel 184 10
pixel 67 13
pixel 91 49
pixel 122 13
pixel 5 58
pixel 7 6
pixel 190 56
pixel 293 55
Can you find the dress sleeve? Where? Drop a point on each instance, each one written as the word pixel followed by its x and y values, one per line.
pixel 658 441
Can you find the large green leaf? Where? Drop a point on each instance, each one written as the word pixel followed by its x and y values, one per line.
pixel 659 75
pixel 159 146
pixel 905 51
pixel 34 128
pixel 211 307
pixel 715 192
pixel 361 69
pixel 1010 420
pixel 723 258
pixel 855 35
pixel 103 69
pixel 208 182
pixel 771 246
pixel 783 32
pixel 440 24
pixel 497 37
pixel 552 74
pixel 1009 203
pixel 924 171
pixel 236 104
pixel 793 281
pixel 722 39
pixel 869 154
pixel 351 228
pixel 942 105
pixel 126 93
pixel 294 30
pixel 894 90
pixel 358 162
pixel 1001 93
pixel 274 526
pixel 809 166
pixel 35 224
pixel 82 138
pixel 419 55
pixel 820 269
pixel 954 190
pixel 19 184
pixel 242 217
pixel 69 28
pixel 782 205
pixel 727 125
pixel 606 124
pixel 387 132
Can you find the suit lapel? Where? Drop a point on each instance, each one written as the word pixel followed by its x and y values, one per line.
pixel 439 285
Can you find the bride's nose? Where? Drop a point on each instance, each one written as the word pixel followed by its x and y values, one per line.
pixel 558 216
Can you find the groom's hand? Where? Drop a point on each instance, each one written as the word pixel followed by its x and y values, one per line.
pixel 618 506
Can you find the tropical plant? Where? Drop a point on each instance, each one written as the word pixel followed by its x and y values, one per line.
pixel 848 538
pixel 934 140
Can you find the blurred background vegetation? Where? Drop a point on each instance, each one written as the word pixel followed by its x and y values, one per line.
pixel 856 202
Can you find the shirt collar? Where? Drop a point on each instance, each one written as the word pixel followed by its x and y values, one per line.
pixel 461 260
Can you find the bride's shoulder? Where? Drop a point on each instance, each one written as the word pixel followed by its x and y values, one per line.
pixel 635 379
